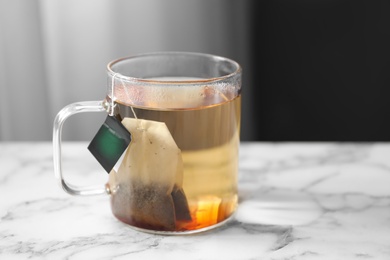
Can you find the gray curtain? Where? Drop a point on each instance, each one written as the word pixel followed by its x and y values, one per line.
pixel 53 53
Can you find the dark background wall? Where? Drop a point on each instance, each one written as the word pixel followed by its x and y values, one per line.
pixel 321 70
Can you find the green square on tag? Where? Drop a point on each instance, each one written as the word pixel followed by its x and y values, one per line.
pixel 109 143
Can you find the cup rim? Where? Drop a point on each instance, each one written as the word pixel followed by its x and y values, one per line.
pixel 114 74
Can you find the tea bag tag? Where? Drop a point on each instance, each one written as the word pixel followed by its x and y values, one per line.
pixel 110 143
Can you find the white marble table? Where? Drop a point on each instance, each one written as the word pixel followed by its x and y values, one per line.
pixel 297 201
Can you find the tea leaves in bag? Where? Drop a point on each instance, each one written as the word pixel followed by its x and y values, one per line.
pixel 152 174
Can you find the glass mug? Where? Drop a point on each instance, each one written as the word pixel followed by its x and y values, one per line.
pixel 188 104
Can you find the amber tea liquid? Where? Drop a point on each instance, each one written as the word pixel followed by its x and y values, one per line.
pixel 208 137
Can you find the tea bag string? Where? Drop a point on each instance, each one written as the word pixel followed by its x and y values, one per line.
pixel 224 97
pixel 126 92
pixel 109 102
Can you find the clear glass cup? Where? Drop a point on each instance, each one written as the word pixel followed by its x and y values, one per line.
pixel 189 103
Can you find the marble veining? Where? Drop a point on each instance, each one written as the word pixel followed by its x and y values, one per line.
pixel 297 201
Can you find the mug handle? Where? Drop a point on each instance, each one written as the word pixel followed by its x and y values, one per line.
pixel 66 112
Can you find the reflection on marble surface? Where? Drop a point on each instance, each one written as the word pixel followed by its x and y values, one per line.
pixel 297 201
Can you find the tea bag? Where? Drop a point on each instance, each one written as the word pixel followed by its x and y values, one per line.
pixel 152 172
